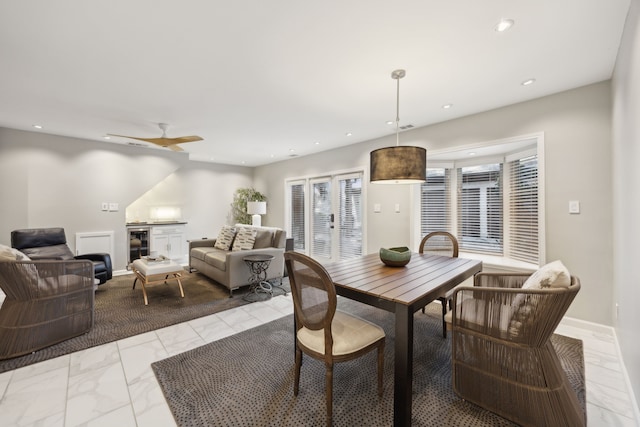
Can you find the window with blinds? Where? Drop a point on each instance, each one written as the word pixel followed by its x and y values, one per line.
pixel 491 207
pixel 297 215
pixel 435 197
pixel 350 218
pixel 523 209
pixel 480 208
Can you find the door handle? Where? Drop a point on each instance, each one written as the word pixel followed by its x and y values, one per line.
pixel 331 220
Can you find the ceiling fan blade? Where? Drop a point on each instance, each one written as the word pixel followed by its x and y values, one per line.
pixel 165 142
pixel 182 139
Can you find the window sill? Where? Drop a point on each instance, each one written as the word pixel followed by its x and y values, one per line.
pixel 493 262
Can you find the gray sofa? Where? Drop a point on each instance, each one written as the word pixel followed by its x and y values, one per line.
pixel 228 268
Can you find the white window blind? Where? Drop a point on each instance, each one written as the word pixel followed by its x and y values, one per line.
pixel 321 219
pixel 480 208
pixel 435 198
pixel 523 209
pixel 350 218
pixel 297 216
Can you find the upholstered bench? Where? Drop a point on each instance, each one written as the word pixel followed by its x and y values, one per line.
pixel 151 272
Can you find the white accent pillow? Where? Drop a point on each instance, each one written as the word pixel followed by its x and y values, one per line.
pixel 225 238
pixel 552 275
pixel 245 238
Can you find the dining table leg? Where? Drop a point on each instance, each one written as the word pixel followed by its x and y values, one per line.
pixel 403 370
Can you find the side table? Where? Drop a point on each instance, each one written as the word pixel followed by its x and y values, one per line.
pixel 258 265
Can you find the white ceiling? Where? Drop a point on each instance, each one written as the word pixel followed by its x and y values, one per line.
pixel 257 79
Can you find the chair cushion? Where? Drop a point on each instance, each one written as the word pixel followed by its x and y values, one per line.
pixel 201 252
pixel 350 334
pixel 244 240
pixel 225 238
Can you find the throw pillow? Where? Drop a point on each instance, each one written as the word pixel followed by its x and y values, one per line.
pixel 552 275
pixel 225 238
pixel 244 240
pixel 11 254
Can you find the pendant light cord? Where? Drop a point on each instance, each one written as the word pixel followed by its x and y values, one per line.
pixel 398 112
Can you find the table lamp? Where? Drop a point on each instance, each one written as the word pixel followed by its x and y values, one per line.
pixel 256 209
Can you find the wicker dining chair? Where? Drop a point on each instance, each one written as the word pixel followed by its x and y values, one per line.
pixel 323 332
pixel 444 244
pixel 502 356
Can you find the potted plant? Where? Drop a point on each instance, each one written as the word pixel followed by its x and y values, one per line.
pixel 239 205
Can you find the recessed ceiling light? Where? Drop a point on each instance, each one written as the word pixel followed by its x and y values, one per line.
pixel 106 137
pixel 447 106
pixel 504 25
pixel 528 82
pixel 472 153
pixel 291 150
pixel 272 156
pixel 389 122
pixel 37 126
pixel 317 143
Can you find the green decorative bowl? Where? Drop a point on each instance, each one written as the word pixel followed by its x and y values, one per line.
pixel 395 257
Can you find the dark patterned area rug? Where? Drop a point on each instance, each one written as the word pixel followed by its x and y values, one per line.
pixel 120 312
pixel 247 380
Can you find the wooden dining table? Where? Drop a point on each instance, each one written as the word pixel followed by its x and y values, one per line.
pixel 403 291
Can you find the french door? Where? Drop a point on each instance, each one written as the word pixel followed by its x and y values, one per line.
pixel 334 216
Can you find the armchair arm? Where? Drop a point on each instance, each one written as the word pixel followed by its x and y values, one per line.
pixel 101 257
pixel 498 315
pixel 23 280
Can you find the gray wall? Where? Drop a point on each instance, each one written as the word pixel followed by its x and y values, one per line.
pixel 48 180
pixel 577 141
pixel 626 199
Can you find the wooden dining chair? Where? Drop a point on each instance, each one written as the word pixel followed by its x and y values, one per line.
pixel 445 244
pixel 323 332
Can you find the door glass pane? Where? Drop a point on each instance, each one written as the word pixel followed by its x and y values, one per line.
pixel 321 219
pixel 297 216
pixel 350 220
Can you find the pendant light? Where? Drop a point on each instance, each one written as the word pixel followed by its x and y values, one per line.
pixel 401 164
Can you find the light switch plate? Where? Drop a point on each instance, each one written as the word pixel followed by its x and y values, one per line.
pixel 377 208
pixel 574 207
pixel 105 206
pixel 113 207
pixel 397 207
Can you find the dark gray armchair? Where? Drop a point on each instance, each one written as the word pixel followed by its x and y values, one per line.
pixel 51 243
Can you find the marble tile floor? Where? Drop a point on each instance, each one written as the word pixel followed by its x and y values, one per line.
pixel 113 384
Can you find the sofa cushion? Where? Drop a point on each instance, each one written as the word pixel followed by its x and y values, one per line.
pixel 216 259
pixel 225 238
pixel 244 240
pixel 264 239
pixel 201 252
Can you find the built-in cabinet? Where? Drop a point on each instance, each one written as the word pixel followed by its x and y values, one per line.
pixel 168 240
pixel 157 239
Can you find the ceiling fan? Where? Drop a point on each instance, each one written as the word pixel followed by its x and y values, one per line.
pixel 164 141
